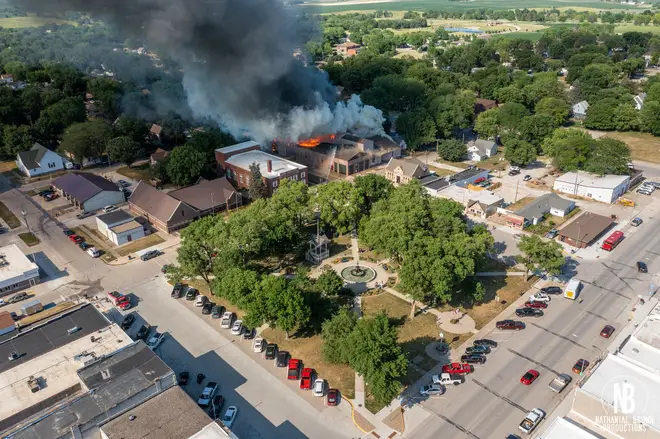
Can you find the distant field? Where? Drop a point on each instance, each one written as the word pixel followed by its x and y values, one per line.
pixel 532 36
pixel 635 28
pixel 325 6
pixel 643 146
pixel 30 21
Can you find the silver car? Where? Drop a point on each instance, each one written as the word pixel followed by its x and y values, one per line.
pixel 432 389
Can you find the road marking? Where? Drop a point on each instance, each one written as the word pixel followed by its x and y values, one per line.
pixel 595 315
pixel 450 422
pixel 503 398
pixel 533 361
pixel 558 335
pixel 608 290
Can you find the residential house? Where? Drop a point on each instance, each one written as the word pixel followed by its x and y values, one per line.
pixel 580 110
pixel 235 161
pixel 605 188
pixel 119 227
pixel 158 156
pixel 87 191
pixel 585 229
pixel 483 204
pixel 639 101
pixel 481 105
pixel 402 171
pixel 162 211
pixel 209 196
pixel 481 149
pixel 534 212
pixel 154 132
pixel 348 49
pixel 39 160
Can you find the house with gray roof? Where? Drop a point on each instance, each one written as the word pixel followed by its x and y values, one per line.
pixel 402 171
pixel 534 212
pixel 39 160
pixel 580 110
pixel 481 149
pixel 87 191
pixel 639 101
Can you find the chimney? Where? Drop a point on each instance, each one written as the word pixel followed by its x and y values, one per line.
pixel 269 165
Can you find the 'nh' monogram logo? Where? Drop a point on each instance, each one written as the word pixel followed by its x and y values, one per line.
pixel 624 398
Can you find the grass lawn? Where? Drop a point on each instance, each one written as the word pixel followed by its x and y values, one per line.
pixel 29 239
pixel 643 146
pixel 532 36
pixel 629 27
pixel 9 217
pixel 140 244
pixel 441 172
pixel 521 203
pixel 31 21
pixel 7 166
pixel 140 172
pixel 308 349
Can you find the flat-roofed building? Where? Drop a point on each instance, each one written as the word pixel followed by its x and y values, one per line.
pixel 562 428
pixel 605 188
pixel 17 272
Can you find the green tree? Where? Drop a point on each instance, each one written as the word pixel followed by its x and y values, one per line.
pixel 335 333
pixel 285 305
pixel 488 123
pixel 131 127
pixel 376 355
pixel 510 115
pixel 609 156
pixel 257 187
pixel 511 93
pixel 369 189
pixel 17 138
pixel 556 108
pixel 596 77
pixel 539 254
pixel 337 203
pixel 649 117
pixel 452 149
pixel 124 149
pixel 417 127
pixel 208 140
pixel 185 165
pixel 626 118
pixel 395 93
pixel 600 115
pixel 65 112
pixel 329 283
pixel 519 152
pixel 235 284
pixel 534 129
pixel 195 255
pixel 86 139
pixel 107 94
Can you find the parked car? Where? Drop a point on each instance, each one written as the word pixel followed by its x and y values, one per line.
pixel 143 332
pixel 51 197
pixel 307 378
pixel 332 397
pixel 18 298
pixel 46 192
pixel 177 290
pixel 641 267
pixel 123 183
pixel 529 312
pixel 128 321
pixel 643 191
pixel 156 340
pixel 447 378
pixel 635 222
pixel 207 394
pixel 201 301
pixel 183 378
pixel 227 320
pixel 217 311
pixel 125 303
pixel 485 342
pixel 529 377
pixel 458 368
pixel 76 239
pixel 109 208
pixel 552 233
pixel 432 389
pixel 479 349
pixel 150 255
pixel 271 351
pixel 580 366
pixel 84 246
pixel 68 232
pixel 93 252
pixel 318 389
pixel 513 172
pixel 607 331
pixel 191 293
pixel 127 193
pixel 539 297
pixel 206 309
pixel 527 177
pixel 230 416
pixel 282 359
pixel 258 344
pixel 510 325
pixel 237 327
pixel 536 305
pixel 473 359
pixel 216 406
pixel 248 334
pixel 84 215
pixel 552 290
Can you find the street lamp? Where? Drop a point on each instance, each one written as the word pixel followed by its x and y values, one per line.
pixel 602 352
pixel 24 213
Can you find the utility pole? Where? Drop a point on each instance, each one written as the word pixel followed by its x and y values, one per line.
pixel 24 213
pixel 516 197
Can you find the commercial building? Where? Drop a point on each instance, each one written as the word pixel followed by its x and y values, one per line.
pixel 483 203
pixel 17 272
pixel 402 171
pixel 39 160
pixel 534 212
pixel 564 428
pixel 87 191
pixel 235 161
pixel 119 227
pixel 585 229
pixel 606 188
pixel 434 184
pixel 209 196
pixel 165 213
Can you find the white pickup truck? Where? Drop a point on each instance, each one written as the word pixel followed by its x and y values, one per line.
pixel 448 378
pixel 560 382
pixel 532 419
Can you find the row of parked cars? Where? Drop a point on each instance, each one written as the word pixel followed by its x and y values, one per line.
pixel 648 187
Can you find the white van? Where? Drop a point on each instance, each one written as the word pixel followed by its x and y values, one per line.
pixel 572 289
pixel 93 252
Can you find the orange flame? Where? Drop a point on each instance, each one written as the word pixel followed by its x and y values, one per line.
pixel 315 141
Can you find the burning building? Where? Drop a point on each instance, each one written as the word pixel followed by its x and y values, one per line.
pixel 344 154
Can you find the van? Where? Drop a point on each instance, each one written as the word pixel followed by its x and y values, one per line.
pixel 572 289
pixel 93 252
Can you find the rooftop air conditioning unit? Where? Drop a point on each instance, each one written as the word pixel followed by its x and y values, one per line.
pixel 33 384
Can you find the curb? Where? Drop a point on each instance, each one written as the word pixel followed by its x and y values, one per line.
pixel 353 418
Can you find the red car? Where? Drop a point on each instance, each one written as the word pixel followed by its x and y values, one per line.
pixel 607 331
pixel 529 377
pixel 458 368
pixel 580 366
pixel 124 303
pixel 294 369
pixel 332 397
pixel 307 378
pixel 536 305
pixel 75 238
pixel 116 297
pixel 510 325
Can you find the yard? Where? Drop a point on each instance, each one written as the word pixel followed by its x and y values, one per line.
pixel 8 216
pixel 643 146
pixel 29 239
pixel 521 203
pixel 140 244
pixel 139 172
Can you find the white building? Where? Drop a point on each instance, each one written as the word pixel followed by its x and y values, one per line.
pixel 606 188
pixel 88 191
pixel 580 110
pixel 562 428
pixel 119 227
pixel 17 272
pixel 481 149
pixel 39 160
pixel 639 101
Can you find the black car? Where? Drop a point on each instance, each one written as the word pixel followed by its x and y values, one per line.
pixel 206 309
pixel 191 293
pixel 551 290
pixel 480 349
pixel 68 232
pixel 281 359
pixel 217 311
pixel 84 246
pixel 514 172
pixel 45 192
pixel 485 342
pixel 473 359
pixel 150 255
pixel 216 406
pixel 510 325
pixel 248 334
pixel 128 321
pixel 183 378
pixel 528 312
pixel 177 291
pixel 143 332
pixel 271 351
pixel 641 267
